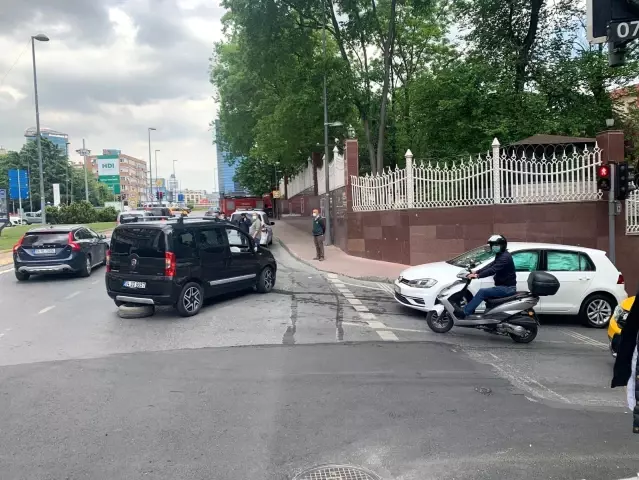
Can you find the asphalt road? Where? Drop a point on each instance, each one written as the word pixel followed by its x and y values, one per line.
pixel 323 370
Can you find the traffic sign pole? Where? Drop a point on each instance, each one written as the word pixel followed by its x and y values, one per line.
pixel 19 195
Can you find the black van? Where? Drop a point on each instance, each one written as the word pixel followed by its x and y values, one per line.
pixel 181 262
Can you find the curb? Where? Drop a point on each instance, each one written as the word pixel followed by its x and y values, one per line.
pixel 306 262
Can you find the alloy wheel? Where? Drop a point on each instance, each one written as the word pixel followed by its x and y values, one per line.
pixel 599 311
pixel 88 265
pixel 268 279
pixel 192 299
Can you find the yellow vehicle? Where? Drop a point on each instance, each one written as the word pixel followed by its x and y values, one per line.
pixel 177 211
pixel 617 322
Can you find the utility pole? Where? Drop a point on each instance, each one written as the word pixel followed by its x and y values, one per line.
pixel 150 168
pixel 67 172
pixel 327 203
pixel 157 187
pixel 43 204
pixel 85 153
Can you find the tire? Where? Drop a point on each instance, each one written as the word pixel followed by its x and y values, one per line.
pixel 135 310
pixel 597 309
pixel 532 334
pixel 190 300
pixel 439 324
pixel 118 303
pixel 22 277
pixel 266 280
pixel 86 270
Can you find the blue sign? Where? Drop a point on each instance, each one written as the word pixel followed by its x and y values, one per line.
pixel 18 184
pixel 4 209
pixel 180 197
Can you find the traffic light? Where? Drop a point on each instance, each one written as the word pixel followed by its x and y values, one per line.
pixel 613 21
pixel 622 178
pixel 161 195
pixel 603 178
pixel 157 195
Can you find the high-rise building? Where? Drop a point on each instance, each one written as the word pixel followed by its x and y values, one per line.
pixel 226 172
pixel 134 178
pixel 59 139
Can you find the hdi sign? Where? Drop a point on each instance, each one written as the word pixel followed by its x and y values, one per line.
pixel 109 171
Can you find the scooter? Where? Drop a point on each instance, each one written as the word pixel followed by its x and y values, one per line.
pixel 513 316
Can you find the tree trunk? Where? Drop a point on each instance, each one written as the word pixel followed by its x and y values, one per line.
pixel 370 146
pixel 388 57
pixel 523 56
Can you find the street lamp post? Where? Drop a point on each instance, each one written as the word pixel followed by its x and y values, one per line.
pixel 157 187
pixel 150 168
pixel 84 152
pixel 327 203
pixel 174 183
pixel 41 38
pixel 67 171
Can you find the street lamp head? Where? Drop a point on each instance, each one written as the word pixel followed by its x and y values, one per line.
pixel 152 128
pixel 610 122
pixel 40 37
pixel 334 124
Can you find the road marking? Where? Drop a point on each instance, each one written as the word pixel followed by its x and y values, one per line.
pixel 366 316
pixel 69 297
pixel 586 340
pixel 94 282
pixel 386 335
pixel 348 295
pixel 363 286
pixel 46 309
pixel 386 287
pixel 354 301
pixel 376 324
pixel 360 308
pixel 331 275
pixel 6 271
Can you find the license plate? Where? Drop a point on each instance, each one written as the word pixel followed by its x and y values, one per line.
pixel 130 284
pixel 398 290
pixel 44 251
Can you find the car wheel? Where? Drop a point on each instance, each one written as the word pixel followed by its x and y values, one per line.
pixel 266 280
pixel 22 277
pixel 190 300
pixel 597 309
pixel 86 270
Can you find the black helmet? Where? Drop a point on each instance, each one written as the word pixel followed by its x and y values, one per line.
pixel 498 241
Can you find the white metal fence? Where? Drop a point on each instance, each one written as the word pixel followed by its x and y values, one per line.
pixel 632 213
pixel 490 179
pixel 303 181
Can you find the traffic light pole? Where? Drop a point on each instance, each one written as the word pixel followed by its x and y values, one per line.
pixel 611 212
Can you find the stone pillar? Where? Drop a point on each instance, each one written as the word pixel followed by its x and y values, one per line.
pixel 611 143
pixel 351 167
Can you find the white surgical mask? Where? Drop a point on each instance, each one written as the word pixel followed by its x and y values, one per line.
pixel 254 217
pixel 496 248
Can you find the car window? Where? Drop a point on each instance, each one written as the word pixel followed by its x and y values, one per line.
pixel 41 238
pixel 526 261
pixel 91 233
pixel 476 255
pixel 82 234
pixel 585 263
pixel 562 261
pixel 184 244
pixel 237 239
pixel 212 239
pixel 144 242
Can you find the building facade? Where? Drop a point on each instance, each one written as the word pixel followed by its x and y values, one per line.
pixel 225 172
pixel 195 197
pixel 134 179
pixel 59 139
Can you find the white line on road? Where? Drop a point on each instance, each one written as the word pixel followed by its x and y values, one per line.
pixel 69 297
pixel 46 309
pixel 94 282
pixel 331 275
pixel 376 324
pixel 386 335
pixel 364 286
pixel 366 316
pixel 354 301
pixel 6 271
pixel 585 339
pixel 360 308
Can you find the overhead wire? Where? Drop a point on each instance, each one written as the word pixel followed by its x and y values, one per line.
pixel 14 63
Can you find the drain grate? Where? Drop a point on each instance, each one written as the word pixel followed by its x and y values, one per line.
pixel 337 472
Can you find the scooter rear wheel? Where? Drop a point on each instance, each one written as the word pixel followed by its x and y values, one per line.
pixel 439 323
pixel 532 333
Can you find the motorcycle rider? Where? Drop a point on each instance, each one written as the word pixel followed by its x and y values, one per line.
pixel 503 271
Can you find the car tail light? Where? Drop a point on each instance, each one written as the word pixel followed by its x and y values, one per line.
pixel 75 246
pixel 107 262
pixel 620 280
pixel 169 264
pixel 18 245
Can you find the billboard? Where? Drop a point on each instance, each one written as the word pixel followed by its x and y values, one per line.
pixel 110 151
pixel 56 194
pixel 4 208
pixel 109 171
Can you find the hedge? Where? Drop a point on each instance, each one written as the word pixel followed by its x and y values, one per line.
pixel 80 212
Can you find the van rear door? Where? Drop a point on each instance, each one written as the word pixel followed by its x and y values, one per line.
pixel 138 251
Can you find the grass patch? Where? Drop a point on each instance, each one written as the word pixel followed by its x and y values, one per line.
pixel 11 235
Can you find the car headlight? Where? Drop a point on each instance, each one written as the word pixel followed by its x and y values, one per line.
pixel 620 315
pixel 422 283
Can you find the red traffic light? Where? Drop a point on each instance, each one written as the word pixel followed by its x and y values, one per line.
pixel 604 171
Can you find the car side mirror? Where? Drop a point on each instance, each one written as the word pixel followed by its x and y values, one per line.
pixel 272 223
pixel 102 236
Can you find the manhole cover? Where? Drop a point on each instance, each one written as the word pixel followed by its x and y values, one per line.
pixel 337 472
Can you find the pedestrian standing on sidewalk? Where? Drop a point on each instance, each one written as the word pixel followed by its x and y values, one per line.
pixel 244 225
pixel 319 227
pixel 256 229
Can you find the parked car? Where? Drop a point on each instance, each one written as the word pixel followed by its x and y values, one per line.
pixel 133 216
pixel 266 223
pixel 160 213
pixel 58 249
pixel 591 286
pixel 33 217
pixel 618 322
pixel 182 262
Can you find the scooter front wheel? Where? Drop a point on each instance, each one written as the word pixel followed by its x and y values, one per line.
pixel 531 334
pixel 439 323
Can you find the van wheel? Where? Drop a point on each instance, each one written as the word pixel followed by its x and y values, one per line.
pixel 22 277
pixel 596 310
pixel 266 280
pixel 86 270
pixel 190 300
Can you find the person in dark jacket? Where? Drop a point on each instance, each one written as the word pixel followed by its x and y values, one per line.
pixel 502 269
pixel 319 227
pixel 244 224
pixel 623 369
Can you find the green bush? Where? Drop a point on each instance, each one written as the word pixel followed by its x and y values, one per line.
pixel 80 212
pixel 189 206
pixel 108 214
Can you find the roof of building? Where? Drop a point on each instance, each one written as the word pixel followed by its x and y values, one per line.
pixel 31 131
pixel 543 139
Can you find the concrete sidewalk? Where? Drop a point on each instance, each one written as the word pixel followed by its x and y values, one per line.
pixel 294 234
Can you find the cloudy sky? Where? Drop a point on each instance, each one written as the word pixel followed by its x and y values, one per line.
pixel 112 69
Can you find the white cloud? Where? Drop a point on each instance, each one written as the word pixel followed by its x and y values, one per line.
pixel 111 70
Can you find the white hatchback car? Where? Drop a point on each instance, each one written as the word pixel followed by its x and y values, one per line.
pixel 590 285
